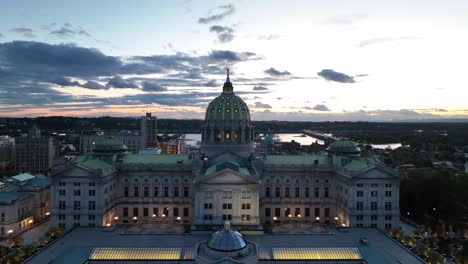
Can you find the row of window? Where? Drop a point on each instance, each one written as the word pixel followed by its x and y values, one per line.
pixel 297 212
pixel 77 205
pixel 374 185
pixel 62 192
pixel 146 192
pixel 373 206
pixel 165 212
pixel 373 217
pixel 297 192
pixel 373 193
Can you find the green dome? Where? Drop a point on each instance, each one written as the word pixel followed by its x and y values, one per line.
pixel 344 147
pixel 227 107
pixel 109 146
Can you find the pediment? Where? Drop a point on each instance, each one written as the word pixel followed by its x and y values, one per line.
pixel 227 176
pixel 375 173
pixel 227 156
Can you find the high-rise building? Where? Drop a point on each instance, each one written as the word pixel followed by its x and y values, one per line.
pixel 34 153
pixel 149 131
pixel 7 153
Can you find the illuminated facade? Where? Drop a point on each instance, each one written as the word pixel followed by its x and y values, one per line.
pixel 225 181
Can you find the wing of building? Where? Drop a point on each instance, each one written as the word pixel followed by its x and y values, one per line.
pixel 225 181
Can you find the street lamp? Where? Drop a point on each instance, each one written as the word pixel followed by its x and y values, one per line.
pixel 47 213
pixel 153 215
pixel 317 219
pixel 30 221
pixel 116 218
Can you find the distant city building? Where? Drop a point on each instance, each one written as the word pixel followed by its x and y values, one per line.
pixel 149 131
pixel 131 141
pixel 34 153
pixel 173 146
pixel 225 181
pixel 466 167
pixel 24 200
pixel 7 153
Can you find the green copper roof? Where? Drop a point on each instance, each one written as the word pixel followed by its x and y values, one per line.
pixel 92 162
pixel 295 159
pixel 217 167
pixel 109 145
pixel 156 159
pixel 343 146
pixel 358 164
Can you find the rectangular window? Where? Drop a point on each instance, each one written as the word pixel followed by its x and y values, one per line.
pixel 156 211
pixel 156 191
pixel 166 211
pixel 267 212
pixel 359 206
pixel 92 205
pixel 317 192
pixel 286 192
pixel 166 191
pixel 145 211
pixel 388 206
pixel 146 191
pixel 388 226
pixel 125 211
pixel 326 192
pixel 208 206
pixel 277 192
pixel 359 217
pixel 327 212
pixel 186 191
pixel 227 206
pixel 245 195
pixel 92 192
pixel 388 218
pixel 359 193
pixel 287 212
pixel 360 185
pixel 135 211
pixel 62 205
pixel 175 210
pixel 373 217
pixel 135 191
pixel 306 192
pixel 246 217
pixel 388 193
pixel 91 217
pixel 296 192
pixel 125 191
pixel 307 212
pixel 297 212
pixel 245 206
pixel 317 212
pixel 277 212
pixel 373 206
pixel 267 192
pixel 373 193
pixel 186 212
pixel 62 192
pixel 76 192
pixel 91 184
pixel 76 205
pixel 176 191
pixel 227 195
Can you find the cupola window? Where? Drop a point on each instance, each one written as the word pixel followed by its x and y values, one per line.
pixel 235 110
pixel 227 110
pixel 228 136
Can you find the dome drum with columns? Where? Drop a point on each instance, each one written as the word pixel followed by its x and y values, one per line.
pixel 227 124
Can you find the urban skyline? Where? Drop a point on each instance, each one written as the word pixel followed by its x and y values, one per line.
pixel 335 61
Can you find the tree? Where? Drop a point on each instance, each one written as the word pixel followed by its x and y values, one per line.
pixel 435 258
pixel 12 259
pixel 54 232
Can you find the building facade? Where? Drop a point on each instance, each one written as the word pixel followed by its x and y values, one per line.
pixel 225 180
pixel 24 200
pixel 34 153
pixel 149 131
pixel 7 153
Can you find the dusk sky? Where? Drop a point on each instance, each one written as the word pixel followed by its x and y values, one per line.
pixel 289 60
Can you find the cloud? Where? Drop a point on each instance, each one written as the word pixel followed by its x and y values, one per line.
pixel 211 83
pixel 320 107
pixel 65 81
pixel 374 41
pixel 119 82
pixel 346 19
pixel 262 105
pixel 1 35
pixel 331 75
pixel 276 73
pixel 68 32
pixel 226 55
pixel 93 85
pixel 25 32
pixel 152 86
pixel 268 37
pixel 218 14
pixel 224 34
pixel 260 88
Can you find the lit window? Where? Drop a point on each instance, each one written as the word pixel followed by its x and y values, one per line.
pixel 227 110
pixel 235 110
pixel 228 135
pixel 236 135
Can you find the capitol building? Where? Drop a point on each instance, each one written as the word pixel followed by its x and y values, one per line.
pixel 225 181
